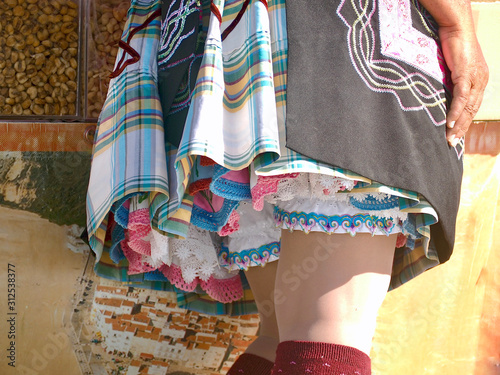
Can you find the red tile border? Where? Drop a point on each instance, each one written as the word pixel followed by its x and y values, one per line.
pixel 68 137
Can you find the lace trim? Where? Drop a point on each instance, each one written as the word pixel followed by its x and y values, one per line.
pixel 233 185
pixel 149 250
pixel 213 221
pixel 244 259
pixel 311 185
pixel 196 255
pixel 330 224
pixel 375 201
pixel 115 251
pixel 267 185
pixel 174 275
pixel 160 249
pixel 375 196
pixel 139 230
pixel 224 290
pixel 199 185
pixel 252 222
pixel 136 261
pixel 232 190
pixel 205 161
pixel 326 188
pixel 121 210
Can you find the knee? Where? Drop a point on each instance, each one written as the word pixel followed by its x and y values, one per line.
pixel 268 325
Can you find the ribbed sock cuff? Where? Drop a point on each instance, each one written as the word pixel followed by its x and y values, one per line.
pixel 251 364
pixel 307 357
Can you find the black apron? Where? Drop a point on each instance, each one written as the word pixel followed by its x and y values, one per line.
pixel 364 94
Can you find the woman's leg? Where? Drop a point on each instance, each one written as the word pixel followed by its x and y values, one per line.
pixel 328 290
pixel 261 280
pixel 259 357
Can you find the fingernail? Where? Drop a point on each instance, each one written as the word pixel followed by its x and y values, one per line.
pixel 454 141
pixel 451 139
pixel 451 124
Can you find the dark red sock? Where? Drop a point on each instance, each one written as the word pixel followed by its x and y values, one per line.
pixel 251 364
pixel 319 358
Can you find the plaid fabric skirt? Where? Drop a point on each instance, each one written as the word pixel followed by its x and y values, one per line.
pixel 191 177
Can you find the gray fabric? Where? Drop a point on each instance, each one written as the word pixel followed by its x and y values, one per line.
pixel 332 116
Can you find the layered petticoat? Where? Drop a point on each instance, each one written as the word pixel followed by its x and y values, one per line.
pixel 191 179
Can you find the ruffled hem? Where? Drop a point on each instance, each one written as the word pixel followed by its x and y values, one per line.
pixel 195 269
pixel 213 221
pixel 231 226
pixel 351 224
pixel 243 260
pixel 223 290
pixel 267 185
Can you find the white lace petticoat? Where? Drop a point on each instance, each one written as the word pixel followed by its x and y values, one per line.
pixel 305 202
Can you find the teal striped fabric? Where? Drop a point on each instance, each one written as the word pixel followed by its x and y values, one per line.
pixel 129 151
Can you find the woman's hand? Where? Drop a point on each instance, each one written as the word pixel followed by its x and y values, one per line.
pixel 469 72
pixel 469 75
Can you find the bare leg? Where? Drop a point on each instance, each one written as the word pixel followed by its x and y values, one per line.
pixel 261 280
pixel 329 288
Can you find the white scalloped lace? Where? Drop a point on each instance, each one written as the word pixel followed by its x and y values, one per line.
pixel 330 191
pixel 196 255
pixel 311 185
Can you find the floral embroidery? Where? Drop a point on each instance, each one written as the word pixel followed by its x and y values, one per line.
pixel 377 56
pixel 405 43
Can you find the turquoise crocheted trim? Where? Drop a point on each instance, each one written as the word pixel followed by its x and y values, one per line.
pixel 333 224
pixel 213 221
pixel 250 257
pixel 155 275
pixel 369 203
pixel 121 212
pixel 228 189
pixel 115 251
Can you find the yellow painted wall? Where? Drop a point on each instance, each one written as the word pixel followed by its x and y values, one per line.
pixel 487 19
pixel 447 321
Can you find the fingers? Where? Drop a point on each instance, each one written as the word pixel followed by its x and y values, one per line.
pixel 459 127
pixel 467 98
pixel 469 74
pixel 460 99
pixel 464 106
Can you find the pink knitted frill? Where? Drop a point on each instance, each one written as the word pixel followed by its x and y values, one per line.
pixel 223 290
pixel 136 262
pixel 138 229
pixel 401 240
pixel 267 185
pixel 232 224
pixel 137 249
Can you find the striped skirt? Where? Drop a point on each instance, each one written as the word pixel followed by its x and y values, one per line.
pixel 191 180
